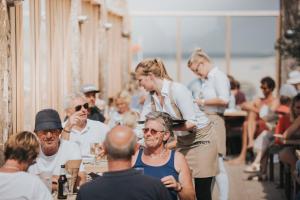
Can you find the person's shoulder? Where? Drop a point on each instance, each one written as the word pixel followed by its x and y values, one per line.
pixel 178 87
pixel 91 185
pixel 94 123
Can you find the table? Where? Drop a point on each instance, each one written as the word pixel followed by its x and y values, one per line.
pixel 234 120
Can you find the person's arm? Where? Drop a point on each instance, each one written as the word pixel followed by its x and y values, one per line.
pixel 250 106
pixel 71 122
pixel 185 103
pixel 292 129
pixel 211 102
pixel 221 87
pixel 184 186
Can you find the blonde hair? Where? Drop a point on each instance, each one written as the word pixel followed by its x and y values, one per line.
pixel 154 66
pixel 124 95
pixel 23 147
pixel 130 119
pixel 197 55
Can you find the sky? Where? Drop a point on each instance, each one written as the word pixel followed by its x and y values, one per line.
pixel 253 36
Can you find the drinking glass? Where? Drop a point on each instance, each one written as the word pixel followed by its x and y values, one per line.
pixel 46 177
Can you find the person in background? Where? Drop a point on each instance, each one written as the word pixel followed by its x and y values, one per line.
pixel 195 135
pixel 90 92
pixel 20 152
pixel 240 96
pixel 79 128
pixel 122 103
pixel 258 110
pixel 287 154
pixel 54 151
pixel 294 79
pixel 282 115
pixel 121 181
pixel 212 94
pixel 167 165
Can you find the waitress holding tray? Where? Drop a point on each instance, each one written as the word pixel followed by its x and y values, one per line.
pixel 195 138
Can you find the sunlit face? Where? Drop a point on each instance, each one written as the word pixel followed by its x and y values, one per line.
pixel 154 134
pixel 200 68
pixel 265 89
pixel 145 82
pixel 49 140
pixel 79 105
pixel 122 105
pixel 91 98
pixel 297 108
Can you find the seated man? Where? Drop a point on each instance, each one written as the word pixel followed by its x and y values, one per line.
pixel 121 181
pixel 54 151
pixel 90 92
pixel 258 113
pixel 79 128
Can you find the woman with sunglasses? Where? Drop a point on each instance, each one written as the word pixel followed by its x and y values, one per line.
pixel 195 137
pixel 158 161
pixel 20 152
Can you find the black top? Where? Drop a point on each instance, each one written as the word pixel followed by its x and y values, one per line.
pixel 95 114
pixel 124 185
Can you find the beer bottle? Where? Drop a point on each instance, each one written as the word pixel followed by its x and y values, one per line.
pixel 62 181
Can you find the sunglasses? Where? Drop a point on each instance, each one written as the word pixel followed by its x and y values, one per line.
pixel 85 106
pixel 152 131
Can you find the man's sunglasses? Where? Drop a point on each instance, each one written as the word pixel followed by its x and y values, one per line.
pixel 78 108
pixel 152 131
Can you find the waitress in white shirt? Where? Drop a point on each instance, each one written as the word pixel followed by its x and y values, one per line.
pixel 195 138
pixel 212 93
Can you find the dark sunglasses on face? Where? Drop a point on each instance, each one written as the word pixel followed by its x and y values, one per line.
pixel 85 106
pixel 152 131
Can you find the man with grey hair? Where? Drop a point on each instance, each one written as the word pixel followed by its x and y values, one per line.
pixel 121 181
pixel 78 128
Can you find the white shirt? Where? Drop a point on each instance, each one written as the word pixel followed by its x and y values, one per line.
pixel 115 119
pixel 183 99
pixel 94 132
pixel 67 151
pixel 216 85
pixel 22 186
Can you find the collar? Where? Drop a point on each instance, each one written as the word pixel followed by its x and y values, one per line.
pixel 212 72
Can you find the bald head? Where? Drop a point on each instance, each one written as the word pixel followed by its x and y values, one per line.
pixel 120 143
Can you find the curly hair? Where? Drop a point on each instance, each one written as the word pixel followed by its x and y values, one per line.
pixel 164 118
pixel 23 147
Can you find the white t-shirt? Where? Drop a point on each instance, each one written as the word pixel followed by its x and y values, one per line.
pixel 94 132
pixel 184 101
pixel 22 185
pixel 67 151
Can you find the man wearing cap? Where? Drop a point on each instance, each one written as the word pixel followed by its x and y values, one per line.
pixel 90 91
pixel 54 151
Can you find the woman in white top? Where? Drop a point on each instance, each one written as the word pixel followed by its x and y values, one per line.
pixel 20 152
pixel 212 93
pixel 195 137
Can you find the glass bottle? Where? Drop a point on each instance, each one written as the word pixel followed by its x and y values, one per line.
pixel 62 183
